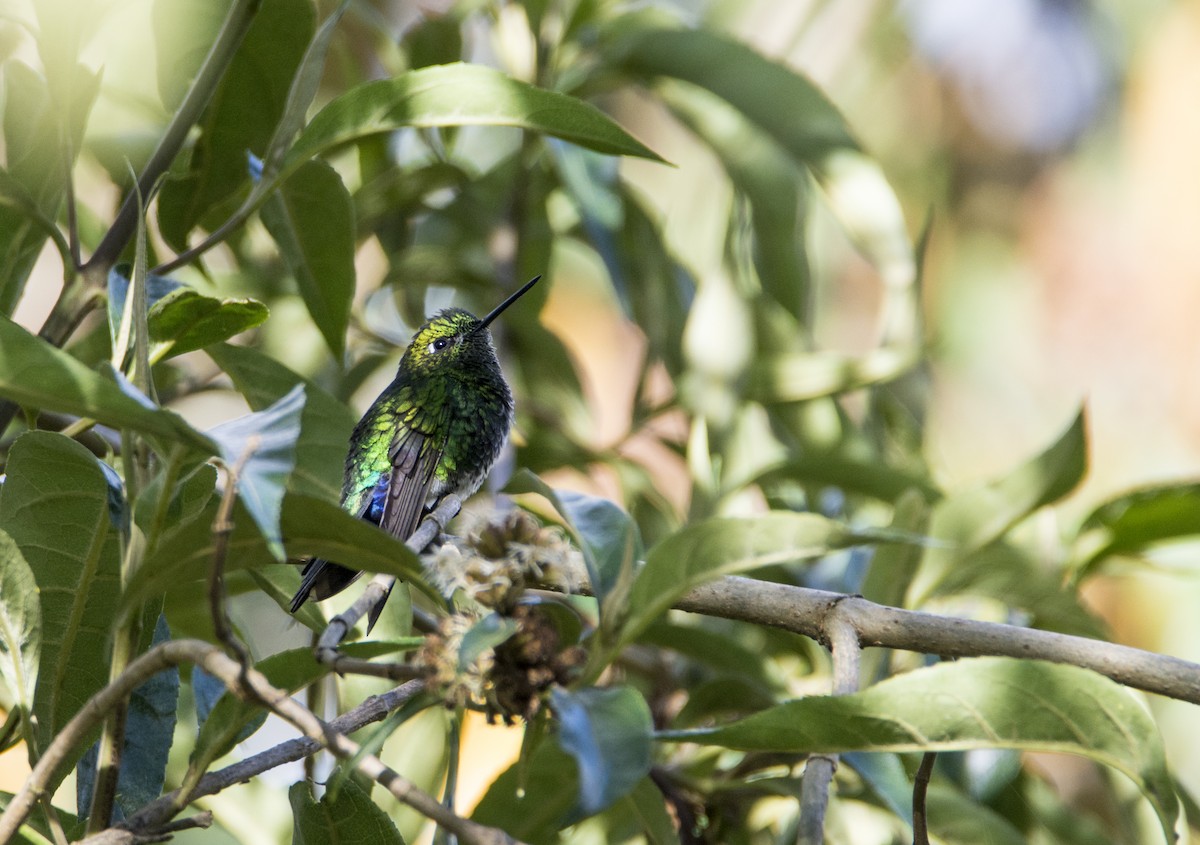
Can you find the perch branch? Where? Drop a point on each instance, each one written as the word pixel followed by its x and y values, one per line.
pixel 819 770
pixel 48 770
pixel 378 587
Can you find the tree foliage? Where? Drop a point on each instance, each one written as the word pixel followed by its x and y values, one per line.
pixel 314 186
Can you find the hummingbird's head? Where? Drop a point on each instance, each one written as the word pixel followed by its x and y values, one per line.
pixel 455 339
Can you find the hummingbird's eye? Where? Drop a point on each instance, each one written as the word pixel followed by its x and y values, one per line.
pixel 439 344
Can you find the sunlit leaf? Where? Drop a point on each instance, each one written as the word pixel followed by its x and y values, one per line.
pixel 988 702
pixel 20 624
pixel 185 320
pixel 1136 521
pixel 460 95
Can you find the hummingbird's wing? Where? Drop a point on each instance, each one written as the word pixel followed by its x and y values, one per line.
pixel 414 455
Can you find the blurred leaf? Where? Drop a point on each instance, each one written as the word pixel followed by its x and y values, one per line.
pixel 20 625
pixel 646 809
pixel 459 95
pixel 801 376
pixel 38 124
pixel 434 40
pixel 185 320
pixel 485 634
pixel 157 287
pixel 966 521
pixel 184 31
pixel 769 180
pixel 893 565
pixel 604 533
pixel 349 818
pixel 325 423
pixel 530 800
pixel 717 649
pixel 988 702
pixel 149 730
pixel 853 474
pixel 230 716
pixel 706 550
pixel 954 817
pixel 241 117
pixel 280 584
pixel 311 219
pixel 886 777
pixel 36 830
pixel 1137 520
pixel 608 732
pixel 794 113
pixel 262 445
pixel 35 374
pixel 55 508
pixel 311 527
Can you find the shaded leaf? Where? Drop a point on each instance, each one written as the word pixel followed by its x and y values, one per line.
pixel 459 95
pixel 55 508
pixel 311 219
pixel 262 445
pixel 988 702
pixel 349 818
pixel 149 730
pixel 35 374
pixel 20 624
pixel 608 732
pixel 531 799
pixel 966 521
pixel 185 320
pixel 157 287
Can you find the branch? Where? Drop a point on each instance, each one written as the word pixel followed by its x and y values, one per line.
pixel 807 612
pixel 378 588
pixel 820 768
pixel 374 709
pixel 48 770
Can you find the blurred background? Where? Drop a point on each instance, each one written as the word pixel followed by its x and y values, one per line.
pixel 1050 146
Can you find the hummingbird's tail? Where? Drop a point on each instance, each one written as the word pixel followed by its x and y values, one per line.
pixel 321 579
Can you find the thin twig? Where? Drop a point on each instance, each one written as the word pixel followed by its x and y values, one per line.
pixel 374 709
pixel 920 787
pixel 378 587
pixel 123 836
pixel 221 529
pixel 820 768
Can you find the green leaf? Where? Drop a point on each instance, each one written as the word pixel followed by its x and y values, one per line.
pixel 604 533
pixel 646 809
pixel 226 724
pixel 350 818
pixel 459 95
pixel 241 117
pixel 55 507
pixel 1135 521
pixel 706 550
pixel 794 113
pixel 531 799
pixel 489 632
pixel 608 732
pixel 310 527
pixel 954 817
pixel 311 219
pixel 20 625
pixel 157 287
pixel 261 446
pixel 965 522
pixel 988 702
pixel 36 375
pixel 185 320
pixel 325 423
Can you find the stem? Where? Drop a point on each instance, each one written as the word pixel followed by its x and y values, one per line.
pixel 920 787
pixel 207 80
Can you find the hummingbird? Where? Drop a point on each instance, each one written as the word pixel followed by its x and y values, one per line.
pixel 436 429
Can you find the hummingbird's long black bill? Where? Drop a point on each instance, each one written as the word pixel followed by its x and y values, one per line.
pixel 495 312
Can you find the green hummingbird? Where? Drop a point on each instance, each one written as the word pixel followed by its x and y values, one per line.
pixel 435 430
